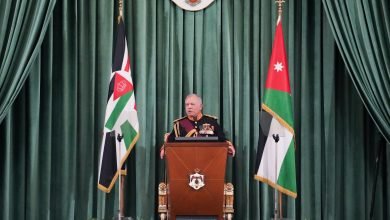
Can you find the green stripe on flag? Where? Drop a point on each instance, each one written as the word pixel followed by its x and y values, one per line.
pixel 280 103
pixel 286 178
pixel 117 111
pixel 128 132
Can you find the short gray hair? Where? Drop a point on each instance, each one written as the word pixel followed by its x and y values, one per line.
pixel 196 95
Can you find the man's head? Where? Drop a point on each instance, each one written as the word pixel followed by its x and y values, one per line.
pixel 193 105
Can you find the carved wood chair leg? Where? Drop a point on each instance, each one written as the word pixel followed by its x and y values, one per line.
pixel 162 201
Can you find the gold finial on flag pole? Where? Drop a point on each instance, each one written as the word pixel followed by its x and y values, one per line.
pixel 120 8
pixel 280 2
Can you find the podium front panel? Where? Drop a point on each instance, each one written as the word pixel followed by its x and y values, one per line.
pixel 203 165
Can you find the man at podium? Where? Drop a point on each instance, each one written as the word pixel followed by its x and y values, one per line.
pixel 196 124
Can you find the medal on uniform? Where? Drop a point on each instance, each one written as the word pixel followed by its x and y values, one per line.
pixel 206 129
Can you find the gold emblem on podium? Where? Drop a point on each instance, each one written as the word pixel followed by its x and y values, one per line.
pixel 196 180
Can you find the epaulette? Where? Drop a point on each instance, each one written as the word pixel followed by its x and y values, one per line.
pixel 211 116
pixel 179 119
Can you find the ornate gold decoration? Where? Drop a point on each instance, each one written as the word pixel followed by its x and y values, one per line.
pixel 228 209
pixel 280 2
pixel 162 201
pixel 196 180
pixel 120 10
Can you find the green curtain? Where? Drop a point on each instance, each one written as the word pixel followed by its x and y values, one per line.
pixel 22 28
pixel 50 139
pixel 362 29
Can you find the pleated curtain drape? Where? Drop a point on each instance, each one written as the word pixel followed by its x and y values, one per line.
pixel 50 137
pixel 22 28
pixel 362 29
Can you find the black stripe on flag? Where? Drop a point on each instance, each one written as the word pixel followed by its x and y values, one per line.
pixel 111 88
pixel 264 125
pixel 119 47
pixel 108 168
pixel 117 58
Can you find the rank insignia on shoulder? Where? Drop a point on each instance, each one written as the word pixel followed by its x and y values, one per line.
pixel 179 119
pixel 211 116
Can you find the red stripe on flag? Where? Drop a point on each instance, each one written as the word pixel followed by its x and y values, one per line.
pixel 277 78
pixel 121 86
pixel 127 67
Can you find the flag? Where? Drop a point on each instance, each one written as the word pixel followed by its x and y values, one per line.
pixel 277 159
pixel 121 116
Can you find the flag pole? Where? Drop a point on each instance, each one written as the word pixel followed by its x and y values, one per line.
pixel 280 10
pixel 280 206
pixel 120 137
pixel 120 10
pixel 120 191
pixel 276 139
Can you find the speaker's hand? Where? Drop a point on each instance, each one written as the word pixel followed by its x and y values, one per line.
pixel 231 149
pixel 162 152
pixel 166 135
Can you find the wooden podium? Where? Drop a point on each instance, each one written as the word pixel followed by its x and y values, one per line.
pixel 196 177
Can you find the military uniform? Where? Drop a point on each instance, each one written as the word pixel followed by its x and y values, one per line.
pixel 206 126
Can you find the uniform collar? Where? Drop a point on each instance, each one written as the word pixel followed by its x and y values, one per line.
pixel 197 118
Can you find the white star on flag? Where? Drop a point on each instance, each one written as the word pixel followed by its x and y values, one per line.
pixel 278 67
